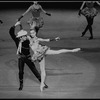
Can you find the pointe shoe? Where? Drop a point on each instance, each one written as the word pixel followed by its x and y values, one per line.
pixel 42 87
pixel 76 50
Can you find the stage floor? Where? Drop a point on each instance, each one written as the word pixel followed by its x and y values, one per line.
pixel 69 75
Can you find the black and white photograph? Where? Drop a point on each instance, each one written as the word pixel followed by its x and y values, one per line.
pixel 49 49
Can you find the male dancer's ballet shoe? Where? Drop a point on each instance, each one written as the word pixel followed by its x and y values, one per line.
pixel 76 50
pixel 21 87
pixel 42 87
pixel 46 86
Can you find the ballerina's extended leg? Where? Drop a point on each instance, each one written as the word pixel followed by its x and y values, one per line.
pixel 53 52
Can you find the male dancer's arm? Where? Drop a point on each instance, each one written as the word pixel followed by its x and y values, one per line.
pixel 13 36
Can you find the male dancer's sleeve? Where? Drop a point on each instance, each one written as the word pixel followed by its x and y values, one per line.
pixel 13 36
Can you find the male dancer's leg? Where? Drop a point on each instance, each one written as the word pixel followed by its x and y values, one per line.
pixel 33 69
pixel 21 64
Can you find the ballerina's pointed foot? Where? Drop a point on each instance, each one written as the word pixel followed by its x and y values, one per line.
pixel 42 87
pixel 76 50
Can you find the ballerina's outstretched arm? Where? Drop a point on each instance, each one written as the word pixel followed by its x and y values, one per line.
pixel 47 40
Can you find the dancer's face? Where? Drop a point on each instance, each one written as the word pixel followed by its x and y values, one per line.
pixel 23 37
pixel 33 33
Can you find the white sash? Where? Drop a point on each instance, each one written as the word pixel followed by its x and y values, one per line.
pixel 19 47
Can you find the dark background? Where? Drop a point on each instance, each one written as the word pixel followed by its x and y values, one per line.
pixel 45 4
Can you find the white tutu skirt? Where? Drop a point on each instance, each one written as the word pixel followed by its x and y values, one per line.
pixel 90 12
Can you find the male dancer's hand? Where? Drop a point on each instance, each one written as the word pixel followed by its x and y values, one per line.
pixel 57 38
pixel 17 23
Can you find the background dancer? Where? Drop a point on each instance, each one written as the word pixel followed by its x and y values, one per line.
pixel 89 12
pixel 36 19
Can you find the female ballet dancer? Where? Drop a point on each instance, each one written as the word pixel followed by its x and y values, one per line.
pixel 40 51
pixel 36 19
pixel 89 12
